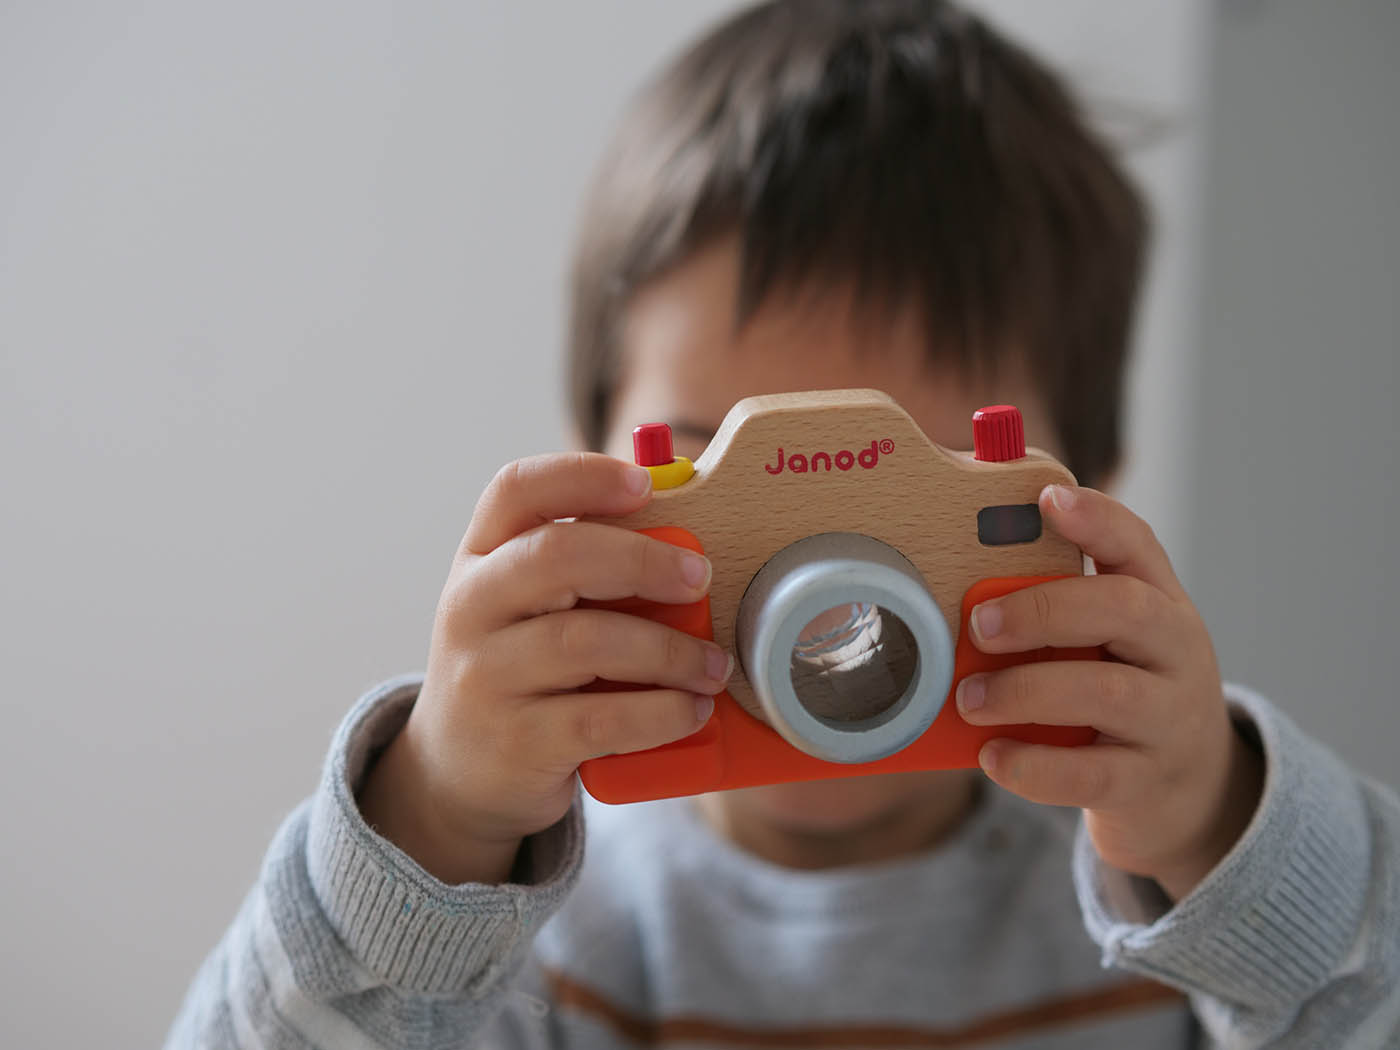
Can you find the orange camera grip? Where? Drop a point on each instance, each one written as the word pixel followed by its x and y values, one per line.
pixel 736 750
pixel 688 766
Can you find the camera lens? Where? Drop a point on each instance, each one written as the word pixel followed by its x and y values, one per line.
pixel 849 657
pixel 852 662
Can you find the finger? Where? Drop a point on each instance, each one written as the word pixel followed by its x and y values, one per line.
pixel 539 489
pixel 551 567
pixel 1132 619
pixel 571 649
pixel 1120 701
pixel 580 726
pixel 1117 539
pixel 1095 776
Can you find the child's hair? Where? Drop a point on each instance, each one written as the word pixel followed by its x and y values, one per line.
pixel 900 148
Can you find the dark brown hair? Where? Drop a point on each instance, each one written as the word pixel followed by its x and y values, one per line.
pixel 898 147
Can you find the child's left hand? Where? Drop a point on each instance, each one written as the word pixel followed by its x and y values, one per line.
pixel 1169 785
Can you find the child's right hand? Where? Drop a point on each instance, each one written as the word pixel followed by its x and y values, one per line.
pixel 489 753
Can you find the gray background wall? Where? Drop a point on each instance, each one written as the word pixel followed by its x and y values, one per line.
pixel 1295 469
pixel 280 288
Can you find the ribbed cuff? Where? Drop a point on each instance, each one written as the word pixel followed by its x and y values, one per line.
pixel 1271 922
pixel 411 930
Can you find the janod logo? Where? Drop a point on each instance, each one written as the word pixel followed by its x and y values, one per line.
pixel 845 459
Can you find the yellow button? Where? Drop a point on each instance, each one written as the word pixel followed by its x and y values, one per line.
pixel 669 475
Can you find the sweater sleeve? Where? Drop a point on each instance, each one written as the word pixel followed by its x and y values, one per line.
pixel 1293 940
pixel 345 942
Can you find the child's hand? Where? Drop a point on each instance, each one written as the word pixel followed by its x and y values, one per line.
pixel 1168 786
pixel 489 752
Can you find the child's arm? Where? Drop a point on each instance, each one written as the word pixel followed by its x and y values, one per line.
pixel 1294 939
pixel 396 906
pixel 1222 851
pixel 344 941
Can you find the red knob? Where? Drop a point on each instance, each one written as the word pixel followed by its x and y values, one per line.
pixel 998 434
pixel 651 445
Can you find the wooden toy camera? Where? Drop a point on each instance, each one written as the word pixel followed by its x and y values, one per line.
pixel 848 552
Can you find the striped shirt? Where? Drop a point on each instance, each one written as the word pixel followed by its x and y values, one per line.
pixel 1011 934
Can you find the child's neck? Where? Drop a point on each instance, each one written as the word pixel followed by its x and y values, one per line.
pixel 916 822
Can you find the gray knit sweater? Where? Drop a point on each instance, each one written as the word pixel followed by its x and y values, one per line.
pixel 1010 934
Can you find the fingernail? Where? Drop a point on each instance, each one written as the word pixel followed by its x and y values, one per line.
pixel 986 620
pixel 1062 497
pixel 704 707
pixel 638 481
pixel 695 570
pixel 987 757
pixel 718 664
pixel 972 693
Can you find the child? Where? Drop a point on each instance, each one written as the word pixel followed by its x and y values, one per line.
pixel 824 195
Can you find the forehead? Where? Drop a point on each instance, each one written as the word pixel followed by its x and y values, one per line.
pixel 684 362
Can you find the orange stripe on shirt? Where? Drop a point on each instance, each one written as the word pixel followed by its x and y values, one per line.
pixel 1126 997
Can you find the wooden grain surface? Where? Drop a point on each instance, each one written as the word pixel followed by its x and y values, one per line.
pixel 918 497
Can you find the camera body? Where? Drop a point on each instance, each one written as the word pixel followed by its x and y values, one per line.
pixel 848 552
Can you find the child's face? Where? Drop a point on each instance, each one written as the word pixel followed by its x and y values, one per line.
pixel 683 363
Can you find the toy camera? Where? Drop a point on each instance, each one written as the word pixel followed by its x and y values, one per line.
pixel 848 552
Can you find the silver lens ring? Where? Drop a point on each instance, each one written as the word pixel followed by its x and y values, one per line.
pixel 810 578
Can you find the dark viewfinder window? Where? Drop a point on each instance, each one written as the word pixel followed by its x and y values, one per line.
pixel 1002 526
